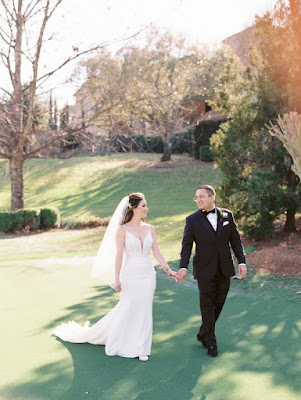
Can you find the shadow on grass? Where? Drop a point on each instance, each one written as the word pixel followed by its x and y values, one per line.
pixel 259 343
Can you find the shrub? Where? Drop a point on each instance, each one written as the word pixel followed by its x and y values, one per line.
pixel 182 142
pixel 205 153
pixel 203 133
pixel 155 144
pixel 85 222
pixel 140 144
pixel 50 218
pixel 10 221
pixel 259 226
pixel 30 218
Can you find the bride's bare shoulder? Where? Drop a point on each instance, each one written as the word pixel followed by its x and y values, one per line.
pixel 121 230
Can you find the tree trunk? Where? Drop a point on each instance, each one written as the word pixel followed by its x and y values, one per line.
pixel 16 176
pixel 290 223
pixel 166 149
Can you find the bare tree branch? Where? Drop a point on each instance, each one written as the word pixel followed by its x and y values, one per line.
pixel 7 10
pixel 46 76
pixel 288 131
pixel 28 125
pixel 5 91
pixel 4 36
pixel 28 11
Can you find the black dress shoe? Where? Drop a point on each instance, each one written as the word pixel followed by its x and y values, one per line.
pixel 201 339
pixel 212 351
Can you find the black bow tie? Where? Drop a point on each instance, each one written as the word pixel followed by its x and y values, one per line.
pixel 208 212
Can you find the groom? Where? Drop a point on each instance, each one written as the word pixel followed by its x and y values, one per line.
pixel 213 230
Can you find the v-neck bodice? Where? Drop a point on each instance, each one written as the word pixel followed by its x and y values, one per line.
pixel 135 247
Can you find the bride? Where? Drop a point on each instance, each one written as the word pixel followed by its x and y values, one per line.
pixel 124 258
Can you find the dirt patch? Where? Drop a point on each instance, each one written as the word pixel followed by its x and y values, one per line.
pixel 279 255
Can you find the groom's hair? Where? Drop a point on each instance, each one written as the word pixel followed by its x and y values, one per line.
pixel 209 189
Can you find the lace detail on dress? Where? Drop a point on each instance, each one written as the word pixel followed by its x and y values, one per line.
pixel 134 247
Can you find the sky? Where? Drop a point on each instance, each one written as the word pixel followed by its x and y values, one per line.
pixel 83 23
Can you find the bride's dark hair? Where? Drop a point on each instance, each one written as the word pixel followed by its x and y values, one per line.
pixel 134 200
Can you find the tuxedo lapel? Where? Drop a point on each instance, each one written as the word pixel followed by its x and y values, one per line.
pixel 219 223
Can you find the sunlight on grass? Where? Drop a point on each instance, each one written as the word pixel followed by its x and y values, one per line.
pixel 45 280
pixel 85 186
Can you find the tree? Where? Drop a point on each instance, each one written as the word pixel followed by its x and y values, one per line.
pixel 258 183
pixel 156 85
pixel 278 65
pixel 277 54
pixel 22 38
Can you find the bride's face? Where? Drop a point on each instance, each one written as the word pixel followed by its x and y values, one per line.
pixel 141 210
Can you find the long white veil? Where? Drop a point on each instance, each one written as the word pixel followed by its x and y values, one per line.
pixel 104 263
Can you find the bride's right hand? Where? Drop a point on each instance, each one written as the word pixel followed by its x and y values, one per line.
pixel 117 286
pixel 173 275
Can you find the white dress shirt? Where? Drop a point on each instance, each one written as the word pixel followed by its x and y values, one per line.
pixel 212 218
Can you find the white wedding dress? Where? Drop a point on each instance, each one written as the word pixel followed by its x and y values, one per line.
pixel 126 330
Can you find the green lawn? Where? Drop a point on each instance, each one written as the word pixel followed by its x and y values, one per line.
pixel 45 280
pixel 84 186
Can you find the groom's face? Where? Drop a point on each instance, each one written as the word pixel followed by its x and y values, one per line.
pixel 204 200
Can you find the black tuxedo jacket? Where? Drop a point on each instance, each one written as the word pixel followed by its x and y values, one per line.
pixel 212 247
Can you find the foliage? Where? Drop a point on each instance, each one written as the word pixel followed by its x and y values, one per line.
pixel 85 222
pixel 277 54
pixel 50 218
pixel 10 221
pixel 180 143
pixel 203 132
pixel 258 181
pixel 280 65
pixel 29 219
pixel 205 153
pixel 256 171
pixel 157 87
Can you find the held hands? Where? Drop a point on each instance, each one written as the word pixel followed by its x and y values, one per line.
pixel 177 276
pixel 170 272
pixel 181 274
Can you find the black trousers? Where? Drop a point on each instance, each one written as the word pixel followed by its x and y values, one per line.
pixel 213 293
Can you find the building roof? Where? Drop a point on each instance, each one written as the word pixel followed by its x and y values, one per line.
pixel 241 42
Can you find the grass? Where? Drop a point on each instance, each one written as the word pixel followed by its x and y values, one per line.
pixel 85 186
pixel 45 280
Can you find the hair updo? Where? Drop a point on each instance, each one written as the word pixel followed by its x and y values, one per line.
pixel 134 200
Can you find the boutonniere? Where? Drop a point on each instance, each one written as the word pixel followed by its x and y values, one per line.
pixel 223 214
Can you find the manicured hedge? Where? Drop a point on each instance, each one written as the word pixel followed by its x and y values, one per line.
pixel 10 221
pixel 50 218
pixel 206 153
pixel 30 219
